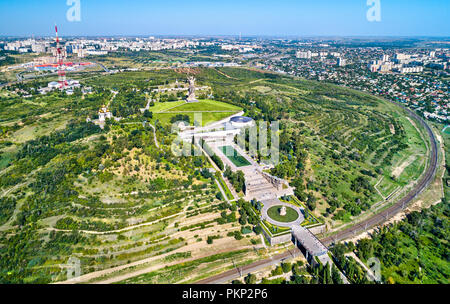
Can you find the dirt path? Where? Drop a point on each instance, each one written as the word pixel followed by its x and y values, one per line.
pixel 376 188
pixel 227 76
pixel 112 98
pixel 120 230
pixel 392 128
pixel 255 81
pixel 154 135
pixel 197 250
pixel 162 265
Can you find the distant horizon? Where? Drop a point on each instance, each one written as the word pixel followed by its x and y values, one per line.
pixel 260 18
pixel 231 36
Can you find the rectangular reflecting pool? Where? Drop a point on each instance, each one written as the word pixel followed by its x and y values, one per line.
pixel 237 159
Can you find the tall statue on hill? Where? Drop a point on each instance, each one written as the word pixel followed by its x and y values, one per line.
pixel 191 91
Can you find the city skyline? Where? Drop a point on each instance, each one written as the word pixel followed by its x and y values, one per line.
pixel 200 18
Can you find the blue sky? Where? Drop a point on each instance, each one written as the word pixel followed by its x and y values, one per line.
pixel 227 17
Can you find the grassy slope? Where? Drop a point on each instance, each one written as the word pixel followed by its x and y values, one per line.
pixel 300 103
pixel 210 111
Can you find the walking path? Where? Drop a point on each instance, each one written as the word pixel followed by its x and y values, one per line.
pixel 376 188
pixel 221 190
pixel 154 135
pixel 223 74
pixel 153 127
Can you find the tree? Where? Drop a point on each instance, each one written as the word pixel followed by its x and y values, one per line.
pixel 243 219
pixel 300 280
pixel 228 172
pixel 238 235
pixel 365 249
pixel 286 267
pixel 148 114
pixel 327 275
pixel 257 229
pixel 311 205
pixel 219 196
pixel 277 271
pixel 335 275
pixel 210 240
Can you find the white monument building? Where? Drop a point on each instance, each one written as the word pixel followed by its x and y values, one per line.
pixel 104 114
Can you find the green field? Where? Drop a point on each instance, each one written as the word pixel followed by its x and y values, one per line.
pixel 160 107
pixel 237 159
pixel 206 106
pixel 206 118
pixel 447 129
pixel 274 213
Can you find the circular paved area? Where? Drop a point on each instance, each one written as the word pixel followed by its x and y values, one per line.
pixel 275 202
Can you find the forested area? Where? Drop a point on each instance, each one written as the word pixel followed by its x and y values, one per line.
pixel 216 159
pixel 237 179
pixel 5 59
pixel 412 251
pixel 128 102
pixel 51 168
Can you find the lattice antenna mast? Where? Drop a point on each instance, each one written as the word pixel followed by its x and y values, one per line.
pixel 60 59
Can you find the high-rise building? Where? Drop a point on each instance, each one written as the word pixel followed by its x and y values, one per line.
pixel 304 55
pixel 341 62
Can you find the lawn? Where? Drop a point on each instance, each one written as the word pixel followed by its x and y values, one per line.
pixel 237 159
pixel 206 106
pixel 206 118
pixel 225 187
pixel 274 213
pixel 164 106
pixel 210 111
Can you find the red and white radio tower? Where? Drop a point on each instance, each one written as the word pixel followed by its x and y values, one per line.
pixel 60 59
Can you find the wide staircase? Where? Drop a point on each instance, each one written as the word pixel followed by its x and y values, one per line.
pixel 256 186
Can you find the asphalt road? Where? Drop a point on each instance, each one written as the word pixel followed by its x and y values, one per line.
pixel 375 220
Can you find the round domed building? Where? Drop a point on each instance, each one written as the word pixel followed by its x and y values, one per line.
pixel 241 121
